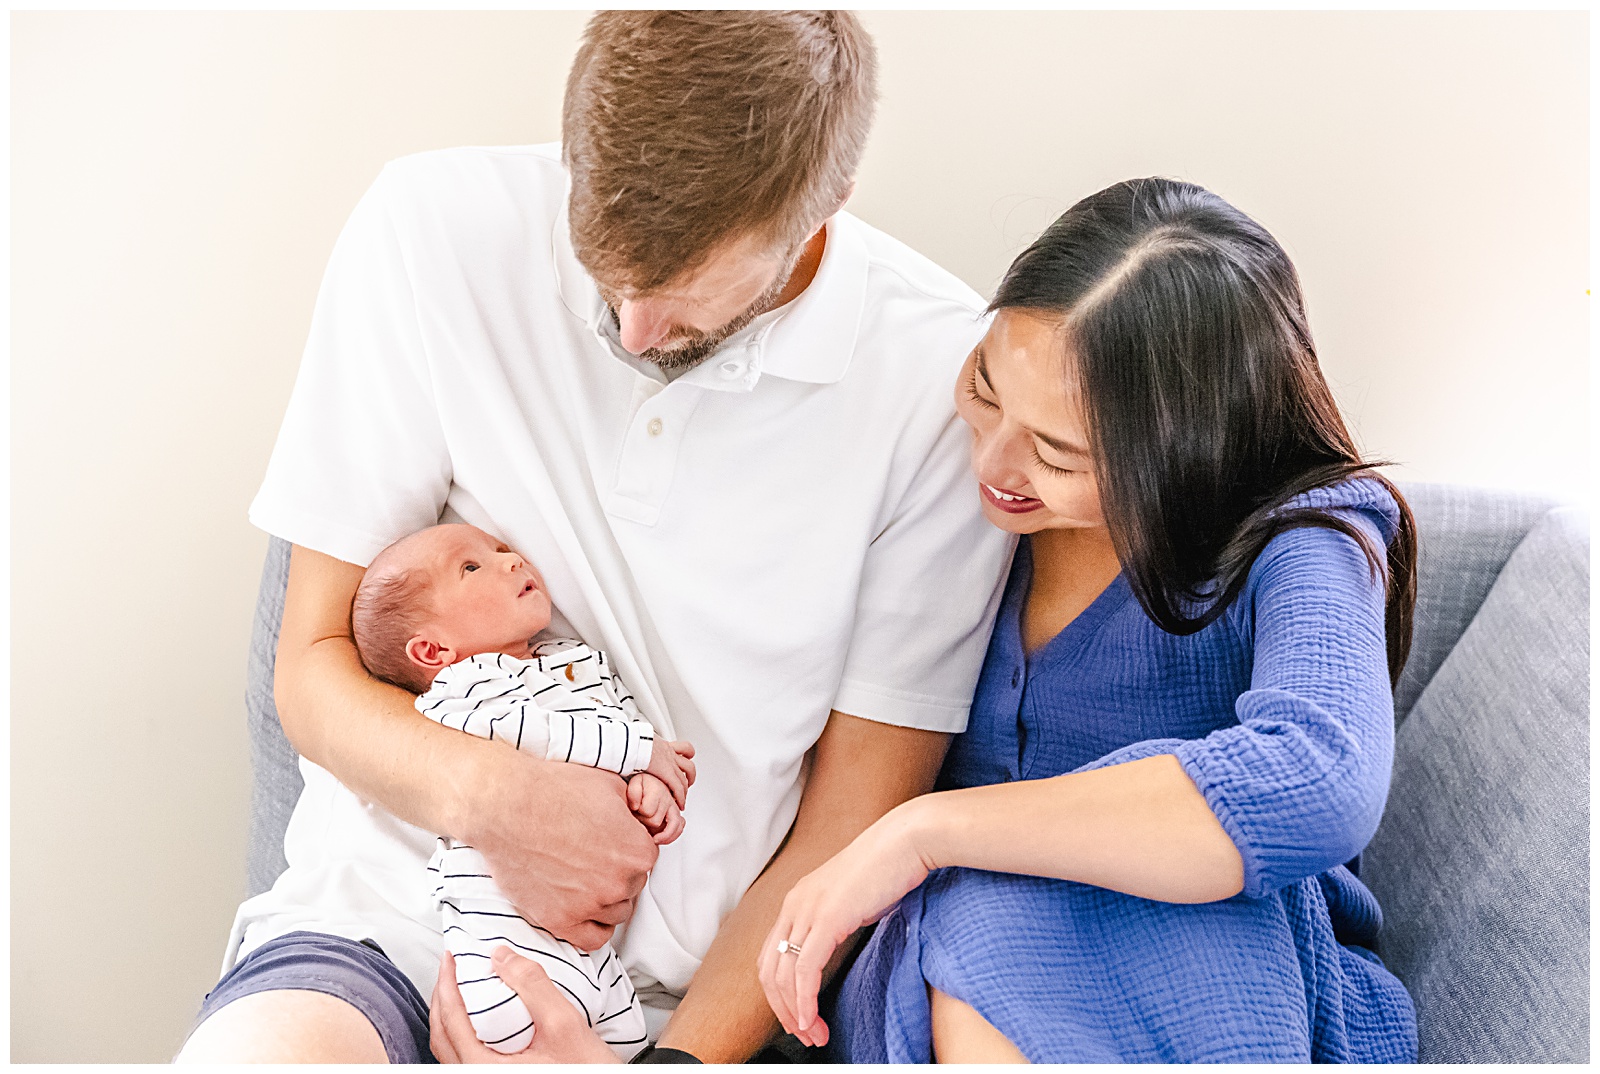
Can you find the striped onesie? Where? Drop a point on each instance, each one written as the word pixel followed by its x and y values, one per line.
pixel 563 705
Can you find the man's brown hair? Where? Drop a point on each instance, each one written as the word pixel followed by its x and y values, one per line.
pixel 682 129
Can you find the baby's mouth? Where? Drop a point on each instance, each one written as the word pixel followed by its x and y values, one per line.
pixel 526 589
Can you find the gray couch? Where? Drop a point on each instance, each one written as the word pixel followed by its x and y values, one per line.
pixel 1482 860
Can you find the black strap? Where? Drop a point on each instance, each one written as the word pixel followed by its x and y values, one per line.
pixel 652 1054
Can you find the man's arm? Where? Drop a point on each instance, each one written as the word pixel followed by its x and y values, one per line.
pixel 369 735
pixel 860 770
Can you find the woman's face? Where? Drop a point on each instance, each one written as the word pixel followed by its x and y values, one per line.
pixel 1030 448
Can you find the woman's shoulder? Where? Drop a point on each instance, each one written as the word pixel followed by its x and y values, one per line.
pixel 1317 556
pixel 1364 500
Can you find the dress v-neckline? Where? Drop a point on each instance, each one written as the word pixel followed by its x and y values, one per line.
pixel 1070 638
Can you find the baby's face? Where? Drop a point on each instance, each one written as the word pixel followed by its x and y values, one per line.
pixel 483 597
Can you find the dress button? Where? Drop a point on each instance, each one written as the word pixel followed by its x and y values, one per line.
pixel 654 427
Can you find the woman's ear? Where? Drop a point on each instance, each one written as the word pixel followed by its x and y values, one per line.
pixel 429 655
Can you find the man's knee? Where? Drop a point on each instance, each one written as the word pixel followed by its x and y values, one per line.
pixel 285 1026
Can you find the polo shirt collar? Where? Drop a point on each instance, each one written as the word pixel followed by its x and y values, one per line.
pixel 813 339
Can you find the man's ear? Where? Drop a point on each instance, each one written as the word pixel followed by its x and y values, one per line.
pixel 429 655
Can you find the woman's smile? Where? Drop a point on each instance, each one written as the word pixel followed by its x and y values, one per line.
pixel 1010 502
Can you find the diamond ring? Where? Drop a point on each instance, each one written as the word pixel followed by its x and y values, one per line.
pixel 787 948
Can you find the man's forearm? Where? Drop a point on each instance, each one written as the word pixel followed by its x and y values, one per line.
pixel 371 737
pixel 860 771
pixel 724 1017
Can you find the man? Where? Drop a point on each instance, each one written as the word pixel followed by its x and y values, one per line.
pixel 716 411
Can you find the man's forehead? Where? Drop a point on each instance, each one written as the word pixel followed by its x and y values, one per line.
pixel 731 262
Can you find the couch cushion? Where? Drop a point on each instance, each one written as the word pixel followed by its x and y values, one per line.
pixel 1465 535
pixel 1482 860
pixel 277 782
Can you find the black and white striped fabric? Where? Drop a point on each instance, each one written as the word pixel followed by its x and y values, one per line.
pixel 563 705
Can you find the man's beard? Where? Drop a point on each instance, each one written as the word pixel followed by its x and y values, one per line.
pixel 692 347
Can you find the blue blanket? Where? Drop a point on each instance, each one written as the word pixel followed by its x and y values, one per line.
pixel 1281 713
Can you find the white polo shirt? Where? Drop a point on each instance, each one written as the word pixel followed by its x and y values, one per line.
pixel 788 528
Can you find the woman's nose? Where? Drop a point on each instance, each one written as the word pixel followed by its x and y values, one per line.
pixel 996 457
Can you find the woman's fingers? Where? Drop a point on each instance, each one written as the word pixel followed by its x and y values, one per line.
pixel 814 955
pixel 773 969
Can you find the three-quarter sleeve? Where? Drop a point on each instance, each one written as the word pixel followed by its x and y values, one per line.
pixel 1299 783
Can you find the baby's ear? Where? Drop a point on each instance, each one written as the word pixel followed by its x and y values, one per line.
pixel 428 655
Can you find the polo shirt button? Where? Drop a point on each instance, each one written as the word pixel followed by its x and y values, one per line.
pixel 1016 677
pixel 731 370
pixel 654 427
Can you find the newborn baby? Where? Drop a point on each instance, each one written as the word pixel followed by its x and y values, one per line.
pixel 452 613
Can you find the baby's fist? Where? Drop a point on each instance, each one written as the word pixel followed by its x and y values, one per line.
pixel 653 804
pixel 667 765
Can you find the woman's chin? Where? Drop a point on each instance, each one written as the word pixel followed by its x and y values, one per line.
pixel 1017 521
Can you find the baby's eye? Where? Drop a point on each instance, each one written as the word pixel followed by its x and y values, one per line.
pixel 470 567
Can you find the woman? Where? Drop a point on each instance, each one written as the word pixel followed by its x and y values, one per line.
pixel 1184 727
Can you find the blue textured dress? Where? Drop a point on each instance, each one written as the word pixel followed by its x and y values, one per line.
pixel 1281 713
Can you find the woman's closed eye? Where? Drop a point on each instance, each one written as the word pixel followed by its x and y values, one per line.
pixel 972 390
pixel 1046 467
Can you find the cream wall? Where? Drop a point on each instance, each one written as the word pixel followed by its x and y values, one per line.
pixel 178 180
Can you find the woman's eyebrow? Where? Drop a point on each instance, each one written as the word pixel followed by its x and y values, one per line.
pixel 1061 445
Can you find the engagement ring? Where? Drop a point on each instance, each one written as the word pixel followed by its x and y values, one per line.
pixel 787 948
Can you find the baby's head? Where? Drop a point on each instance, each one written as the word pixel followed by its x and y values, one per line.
pixel 440 596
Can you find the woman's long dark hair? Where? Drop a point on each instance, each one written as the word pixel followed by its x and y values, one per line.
pixel 1206 409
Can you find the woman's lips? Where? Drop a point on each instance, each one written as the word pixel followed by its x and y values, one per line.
pixel 1010 502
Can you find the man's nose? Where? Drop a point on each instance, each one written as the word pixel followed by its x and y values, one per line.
pixel 642 326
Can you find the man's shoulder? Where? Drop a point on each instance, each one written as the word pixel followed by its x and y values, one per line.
pixel 475 179
pixel 894 266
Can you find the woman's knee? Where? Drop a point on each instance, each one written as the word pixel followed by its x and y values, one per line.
pixel 962 1035
pixel 285 1026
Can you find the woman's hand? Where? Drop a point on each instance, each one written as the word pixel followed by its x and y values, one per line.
pixel 560 1035
pixel 855 887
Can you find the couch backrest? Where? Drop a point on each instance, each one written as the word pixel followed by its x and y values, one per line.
pixel 1481 863
pixel 1464 536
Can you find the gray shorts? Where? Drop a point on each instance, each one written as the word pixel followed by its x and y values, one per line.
pixel 358 973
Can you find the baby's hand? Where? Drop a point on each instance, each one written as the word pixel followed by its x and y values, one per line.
pixel 651 801
pixel 671 763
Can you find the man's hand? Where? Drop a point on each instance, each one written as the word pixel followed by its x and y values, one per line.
pixel 560 1035
pixel 560 840
pixel 652 803
pixel 672 763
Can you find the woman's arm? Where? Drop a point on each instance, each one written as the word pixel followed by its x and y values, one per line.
pixel 368 734
pixel 1141 828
